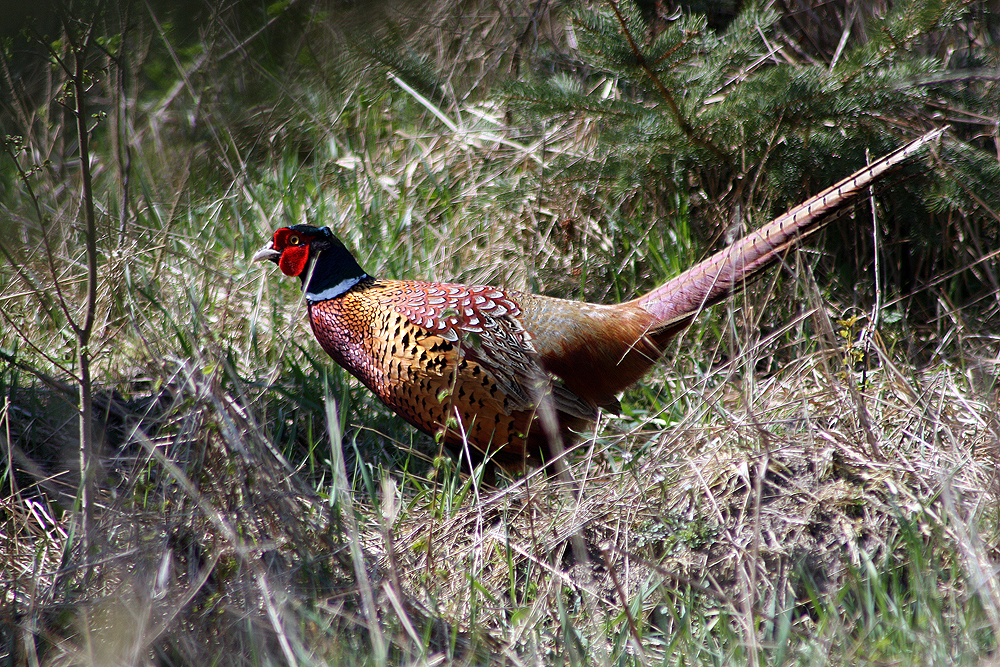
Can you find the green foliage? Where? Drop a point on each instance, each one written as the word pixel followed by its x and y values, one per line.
pixel 741 131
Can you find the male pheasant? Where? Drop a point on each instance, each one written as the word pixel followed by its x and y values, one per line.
pixel 506 375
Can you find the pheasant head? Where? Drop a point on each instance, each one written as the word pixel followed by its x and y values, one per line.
pixel 317 257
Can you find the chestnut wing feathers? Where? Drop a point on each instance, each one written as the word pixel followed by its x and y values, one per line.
pixel 483 322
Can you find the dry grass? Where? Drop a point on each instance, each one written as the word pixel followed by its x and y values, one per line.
pixel 768 496
pixel 749 507
pixel 755 516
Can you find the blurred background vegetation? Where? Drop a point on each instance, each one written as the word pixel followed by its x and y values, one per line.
pixel 169 482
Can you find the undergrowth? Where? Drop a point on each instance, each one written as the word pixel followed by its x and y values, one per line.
pixel 810 477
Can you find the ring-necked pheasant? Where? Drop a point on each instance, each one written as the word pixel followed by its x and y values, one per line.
pixel 506 372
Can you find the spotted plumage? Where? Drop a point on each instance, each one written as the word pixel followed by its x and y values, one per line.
pixel 501 374
pixel 449 359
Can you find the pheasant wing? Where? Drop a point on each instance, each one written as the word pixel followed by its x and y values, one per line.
pixel 482 321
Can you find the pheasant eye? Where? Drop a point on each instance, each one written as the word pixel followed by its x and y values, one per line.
pixel 294 240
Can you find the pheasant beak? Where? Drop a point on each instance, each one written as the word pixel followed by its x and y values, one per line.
pixel 267 252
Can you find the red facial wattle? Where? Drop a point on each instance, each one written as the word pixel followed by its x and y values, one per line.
pixel 294 252
pixel 293 260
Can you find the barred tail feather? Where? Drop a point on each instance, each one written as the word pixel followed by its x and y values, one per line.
pixel 704 284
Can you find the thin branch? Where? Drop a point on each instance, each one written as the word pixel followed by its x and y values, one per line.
pixel 668 98
pixel 37 350
pixel 79 89
pixel 25 179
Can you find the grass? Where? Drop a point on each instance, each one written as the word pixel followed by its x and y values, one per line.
pixel 767 497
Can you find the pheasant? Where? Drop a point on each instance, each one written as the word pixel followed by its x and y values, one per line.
pixel 508 376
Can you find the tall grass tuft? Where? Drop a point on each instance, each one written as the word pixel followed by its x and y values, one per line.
pixel 806 479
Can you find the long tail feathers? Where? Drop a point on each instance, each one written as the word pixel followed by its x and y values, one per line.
pixel 677 301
